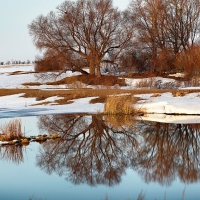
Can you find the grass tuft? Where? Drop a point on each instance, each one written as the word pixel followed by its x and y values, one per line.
pixel 11 131
pixel 120 105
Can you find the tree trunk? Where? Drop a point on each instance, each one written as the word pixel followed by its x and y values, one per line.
pixel 92 68
pixel 98 72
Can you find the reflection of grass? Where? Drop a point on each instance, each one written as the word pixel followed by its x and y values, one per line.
pixel 12 153
pixel 118 121
pixel 119 105
pixel 12 130
pixel 141 196
pixel 35 198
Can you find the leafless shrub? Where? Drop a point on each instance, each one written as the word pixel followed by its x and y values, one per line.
pixel 51 61
pixel 189 62
pixel 146 83
pixel 169 85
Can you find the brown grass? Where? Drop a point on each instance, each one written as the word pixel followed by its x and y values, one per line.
pixel 11 130
pixel 69 95
pixel 91 80
pixel 120 105
pixel 179 93
pixel 32 83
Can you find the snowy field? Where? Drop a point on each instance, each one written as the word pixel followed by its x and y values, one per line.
pixel 155 108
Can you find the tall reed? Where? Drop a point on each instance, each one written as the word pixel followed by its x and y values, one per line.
pixel 120 105
pixel 11 130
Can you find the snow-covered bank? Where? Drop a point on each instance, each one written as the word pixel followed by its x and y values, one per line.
pixel 17 106
pixel 166 103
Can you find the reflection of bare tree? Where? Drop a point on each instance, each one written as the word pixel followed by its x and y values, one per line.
pixel 92 150
pixel 12 153
pixel 89 151
pixel 169 150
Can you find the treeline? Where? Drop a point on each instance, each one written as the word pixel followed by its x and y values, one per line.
pixel 17 62
pixel 157 36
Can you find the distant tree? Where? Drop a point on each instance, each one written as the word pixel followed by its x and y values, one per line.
pixel 84 33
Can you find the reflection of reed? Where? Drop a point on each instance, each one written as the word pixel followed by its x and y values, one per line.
pixel 12 153
pixel 118 121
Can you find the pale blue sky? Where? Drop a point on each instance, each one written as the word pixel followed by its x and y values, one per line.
pixel 15 15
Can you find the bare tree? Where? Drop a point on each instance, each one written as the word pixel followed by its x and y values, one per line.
pixel 83 31
pixel 165 27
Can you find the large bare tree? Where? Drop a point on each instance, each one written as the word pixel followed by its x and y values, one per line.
pixel 83 31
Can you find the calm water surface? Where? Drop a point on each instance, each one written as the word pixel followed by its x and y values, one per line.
pixel 100 156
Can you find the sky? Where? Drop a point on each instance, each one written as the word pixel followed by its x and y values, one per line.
pixel 15 15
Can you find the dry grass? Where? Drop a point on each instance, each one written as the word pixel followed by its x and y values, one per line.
pixel 120 105
pixel 91 80
pixel 146 83
pixel 32 83
pixel 11 130
pixel 179 93
pixel 69 95
pixel 156 95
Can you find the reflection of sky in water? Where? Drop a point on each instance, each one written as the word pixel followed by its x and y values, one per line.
pixel 25 180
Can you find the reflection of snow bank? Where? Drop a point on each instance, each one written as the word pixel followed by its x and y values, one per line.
pixel 178 119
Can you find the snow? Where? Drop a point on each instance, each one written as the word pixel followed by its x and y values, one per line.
pixel 16 106
pixel 168 104
pixel 164 108
pixel 14 68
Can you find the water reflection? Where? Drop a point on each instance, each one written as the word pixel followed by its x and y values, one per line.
pixel 12 153
pixel 168 151
pixel 90 150
pixel 96 150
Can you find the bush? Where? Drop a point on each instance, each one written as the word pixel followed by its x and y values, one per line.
pixel 189 62
pixel 50 62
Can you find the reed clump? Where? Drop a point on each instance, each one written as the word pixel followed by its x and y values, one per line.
pixel 120 105
pixel 11 130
